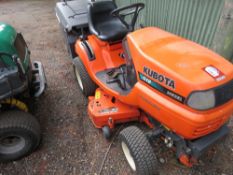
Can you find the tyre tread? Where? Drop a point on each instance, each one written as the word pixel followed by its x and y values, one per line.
pixel 140 149
pixel 89 85
pixel 19 120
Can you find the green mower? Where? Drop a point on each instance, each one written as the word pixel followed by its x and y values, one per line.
pixel 20 79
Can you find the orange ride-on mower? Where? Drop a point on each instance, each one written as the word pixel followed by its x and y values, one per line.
pixel 180 89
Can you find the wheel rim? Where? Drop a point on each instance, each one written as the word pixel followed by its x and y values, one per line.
pixel 11 144
pixel 128 156
pixel 80 83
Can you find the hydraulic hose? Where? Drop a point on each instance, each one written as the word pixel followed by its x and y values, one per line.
pixel 17 103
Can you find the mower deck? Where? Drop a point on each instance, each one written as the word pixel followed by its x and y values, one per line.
pixel 105 110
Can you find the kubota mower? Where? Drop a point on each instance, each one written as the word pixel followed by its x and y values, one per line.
pixel 180 89
pixel 19 80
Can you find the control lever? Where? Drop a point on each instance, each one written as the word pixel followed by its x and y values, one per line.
pixel 19 64
pixel 114 77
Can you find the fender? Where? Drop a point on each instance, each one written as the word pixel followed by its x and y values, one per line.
pixel 89 50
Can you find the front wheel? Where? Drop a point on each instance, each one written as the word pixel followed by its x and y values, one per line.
pixel 138 151
pixel 19 135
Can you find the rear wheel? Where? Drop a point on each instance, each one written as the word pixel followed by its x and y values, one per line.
pixel 19 135
pixel 69 38
pixel 138 151
pixel 85 83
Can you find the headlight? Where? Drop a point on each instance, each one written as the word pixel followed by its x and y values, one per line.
pixel 202 100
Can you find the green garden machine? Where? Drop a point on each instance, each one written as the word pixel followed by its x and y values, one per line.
pixel 20 80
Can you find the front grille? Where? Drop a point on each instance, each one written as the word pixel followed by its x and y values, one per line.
pixel 224 93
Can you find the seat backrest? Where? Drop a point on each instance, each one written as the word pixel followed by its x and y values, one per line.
pixel 96 12
pixel 102 7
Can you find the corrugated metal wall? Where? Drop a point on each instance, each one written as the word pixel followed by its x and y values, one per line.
pixel 196 20
pixel 223 40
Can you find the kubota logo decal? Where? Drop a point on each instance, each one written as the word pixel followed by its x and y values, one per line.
pixel 161 89
pixel 159 77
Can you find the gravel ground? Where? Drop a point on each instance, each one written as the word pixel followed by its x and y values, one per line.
pixel 71 145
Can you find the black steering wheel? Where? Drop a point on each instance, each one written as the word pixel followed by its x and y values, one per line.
pixel 132 9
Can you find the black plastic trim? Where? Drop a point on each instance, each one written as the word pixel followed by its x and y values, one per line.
pixel 131 71
pixel 11 83
pixel 88 49
pixel 199 146
pixel 215 89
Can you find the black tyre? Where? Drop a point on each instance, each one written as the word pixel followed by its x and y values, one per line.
pixel 138 151
pixel 19 135
pixel 70 42
pixel 85 83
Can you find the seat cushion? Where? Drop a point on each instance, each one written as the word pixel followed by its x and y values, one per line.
pixel 103 24
pixel 111 30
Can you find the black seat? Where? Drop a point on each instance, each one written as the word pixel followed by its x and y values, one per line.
pixel 103 24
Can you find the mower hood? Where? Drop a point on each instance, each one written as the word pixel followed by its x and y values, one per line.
pixel 7 36
pixel 7 39
pixel 177 63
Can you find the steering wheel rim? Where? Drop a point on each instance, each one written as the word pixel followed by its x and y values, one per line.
pixel 136 8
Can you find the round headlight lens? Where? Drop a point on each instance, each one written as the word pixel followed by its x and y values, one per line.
pixel 202 100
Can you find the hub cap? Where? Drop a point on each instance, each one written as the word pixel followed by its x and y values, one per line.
pixel 78 79
pixel 11 144
pixel 128 156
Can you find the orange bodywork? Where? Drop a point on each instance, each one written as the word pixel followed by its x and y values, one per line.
pixel 172 56
pixel 104 108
